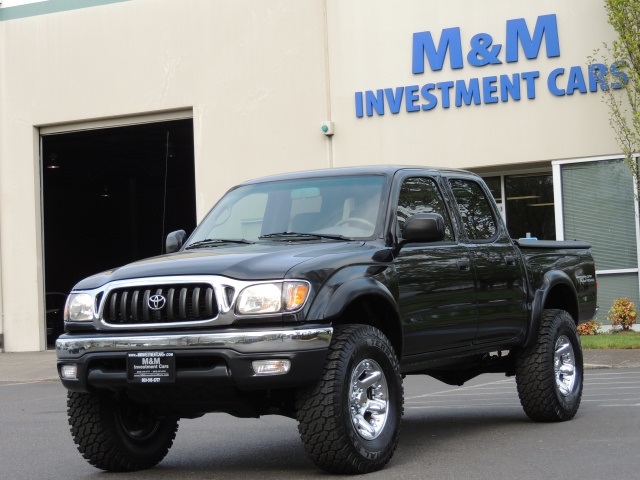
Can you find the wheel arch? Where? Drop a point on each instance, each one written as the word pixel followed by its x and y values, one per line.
pixel 368 302
pixel 556 292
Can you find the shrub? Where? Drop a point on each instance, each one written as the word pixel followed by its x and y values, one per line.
pixel 623 313
pixel 589 328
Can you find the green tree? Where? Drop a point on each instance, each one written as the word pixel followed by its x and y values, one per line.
pixel 624 103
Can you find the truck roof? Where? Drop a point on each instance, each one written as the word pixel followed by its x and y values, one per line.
pixel 388 170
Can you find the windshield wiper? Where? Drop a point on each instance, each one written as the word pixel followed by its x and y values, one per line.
pixel 306 236
pixel 210 242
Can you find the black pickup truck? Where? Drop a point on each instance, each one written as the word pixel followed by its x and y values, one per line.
pixel 312 295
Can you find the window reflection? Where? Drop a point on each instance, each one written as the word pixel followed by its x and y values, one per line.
pixel 421 195
pixel 475 209
pixel 348 206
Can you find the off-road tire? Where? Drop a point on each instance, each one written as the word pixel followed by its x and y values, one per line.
pixel 327 411
pixel 549 373
pixel 115 434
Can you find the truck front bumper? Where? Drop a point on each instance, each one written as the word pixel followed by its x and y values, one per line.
pixel 214 359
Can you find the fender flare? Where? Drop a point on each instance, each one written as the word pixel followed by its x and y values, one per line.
pixel 335 300
pixel 349 291
pixel 551 279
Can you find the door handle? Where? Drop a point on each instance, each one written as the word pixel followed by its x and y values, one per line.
pixel 464 265
pixel 510 261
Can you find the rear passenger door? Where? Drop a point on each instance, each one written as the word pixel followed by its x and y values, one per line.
pixel 497 264
pixel 436 283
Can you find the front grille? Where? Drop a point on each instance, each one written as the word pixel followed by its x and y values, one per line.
pixel 183 303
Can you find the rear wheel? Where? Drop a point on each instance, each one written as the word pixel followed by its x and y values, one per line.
pixel 349 421
pixel 117 434
pixel 549 373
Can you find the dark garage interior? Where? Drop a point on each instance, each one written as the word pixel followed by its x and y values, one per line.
pixel 110 197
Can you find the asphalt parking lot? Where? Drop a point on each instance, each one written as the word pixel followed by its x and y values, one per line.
pixel 604 388
pixel 477 431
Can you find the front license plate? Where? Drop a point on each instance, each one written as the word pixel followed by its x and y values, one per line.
pixel 151 367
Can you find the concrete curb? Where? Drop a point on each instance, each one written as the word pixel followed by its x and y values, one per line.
pixel 622 358
pixel 596 366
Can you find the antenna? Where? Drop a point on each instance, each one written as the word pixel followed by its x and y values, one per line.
pixel 164 201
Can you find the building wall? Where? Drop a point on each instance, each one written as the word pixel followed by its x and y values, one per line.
pixel 259 77
pixel 252 72
pixel 370 46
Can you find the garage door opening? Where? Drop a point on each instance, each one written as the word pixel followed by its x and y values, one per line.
pixel 110 196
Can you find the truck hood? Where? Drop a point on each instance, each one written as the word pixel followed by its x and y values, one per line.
pixel 261 261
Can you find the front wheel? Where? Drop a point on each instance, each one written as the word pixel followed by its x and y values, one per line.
pixel 549 373
pixel 117 434
pixel 349 421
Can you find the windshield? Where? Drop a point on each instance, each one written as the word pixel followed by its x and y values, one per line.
pixel 334 206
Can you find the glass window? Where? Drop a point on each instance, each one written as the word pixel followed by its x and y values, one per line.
pixel 530 209
pixel 347 206
pixel 615 286
pixel 242 219
pixel 475 209
pixel 421 195
pixel 495 187
pixel 599 208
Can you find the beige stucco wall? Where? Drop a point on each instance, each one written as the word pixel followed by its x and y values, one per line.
pixel 259 77
pixel 370 46
pixel 253 72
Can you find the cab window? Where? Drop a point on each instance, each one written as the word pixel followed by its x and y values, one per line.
pixel 421 195
pixel 475 210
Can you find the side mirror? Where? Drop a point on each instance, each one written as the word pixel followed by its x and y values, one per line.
pixel 423 228
pixel 175 240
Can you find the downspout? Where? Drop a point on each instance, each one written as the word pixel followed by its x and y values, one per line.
pixel 1 143
pixel 1 304
pixel 327 81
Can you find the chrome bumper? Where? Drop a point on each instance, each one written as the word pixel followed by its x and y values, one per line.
pixel 252 341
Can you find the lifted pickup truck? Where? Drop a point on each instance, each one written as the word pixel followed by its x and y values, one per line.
pixel 312 295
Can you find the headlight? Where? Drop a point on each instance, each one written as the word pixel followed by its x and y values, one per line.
pixel 263 298
pixel 79 308
pixel 272 298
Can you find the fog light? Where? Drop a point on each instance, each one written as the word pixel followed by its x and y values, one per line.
pixel 271 367
pixel 69 372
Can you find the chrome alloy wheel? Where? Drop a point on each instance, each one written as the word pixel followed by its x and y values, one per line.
pixel 564 365
pixel 369 399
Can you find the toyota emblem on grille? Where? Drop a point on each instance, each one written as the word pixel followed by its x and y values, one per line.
pixel 156 302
